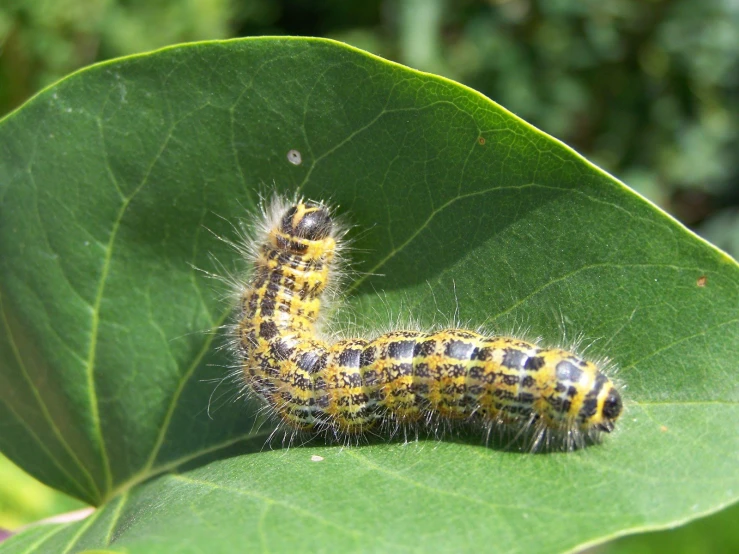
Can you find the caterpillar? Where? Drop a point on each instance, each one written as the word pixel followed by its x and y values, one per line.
pixel 349 387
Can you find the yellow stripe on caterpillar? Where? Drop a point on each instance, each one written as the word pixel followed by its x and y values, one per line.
pixel 403 377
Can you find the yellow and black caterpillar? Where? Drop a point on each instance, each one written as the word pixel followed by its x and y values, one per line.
pixel 401 377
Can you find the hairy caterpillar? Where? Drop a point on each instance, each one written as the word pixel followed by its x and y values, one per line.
pixel 402 377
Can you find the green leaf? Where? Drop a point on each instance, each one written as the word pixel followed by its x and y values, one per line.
pixel 116 182
pixel 717 533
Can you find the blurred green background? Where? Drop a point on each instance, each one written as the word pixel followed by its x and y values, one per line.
pixel 647 89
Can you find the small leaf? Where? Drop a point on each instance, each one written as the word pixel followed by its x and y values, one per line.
pixel 114 186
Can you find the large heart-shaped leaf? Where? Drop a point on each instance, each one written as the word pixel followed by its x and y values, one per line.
pixel 114 186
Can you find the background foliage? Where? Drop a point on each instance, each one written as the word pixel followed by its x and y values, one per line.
pixel 646 89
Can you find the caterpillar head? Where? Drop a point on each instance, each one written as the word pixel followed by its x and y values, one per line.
pixel 601 405
pixel 306 229
pixel 582 397
pixel 308 221
pixel 611 409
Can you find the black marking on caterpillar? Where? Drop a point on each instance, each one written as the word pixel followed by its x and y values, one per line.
pixel 399 379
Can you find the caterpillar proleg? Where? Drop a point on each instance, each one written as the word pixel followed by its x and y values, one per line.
pixel 403 377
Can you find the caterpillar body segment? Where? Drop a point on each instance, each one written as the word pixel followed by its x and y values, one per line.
pixel 403 377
